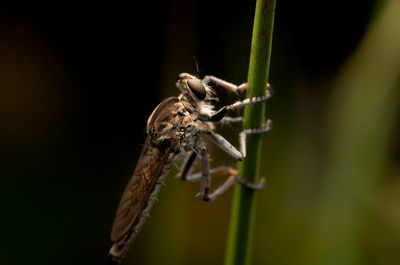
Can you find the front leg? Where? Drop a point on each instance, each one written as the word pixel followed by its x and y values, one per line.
pixel 227 85
pixel 220 114
pixel 224 84
pixel 249 101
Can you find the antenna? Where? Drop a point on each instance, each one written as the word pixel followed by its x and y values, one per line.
pixel 197 66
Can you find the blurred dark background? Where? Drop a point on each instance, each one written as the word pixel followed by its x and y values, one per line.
pixel 78 81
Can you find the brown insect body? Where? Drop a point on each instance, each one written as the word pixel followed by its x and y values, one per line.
pixel 173 129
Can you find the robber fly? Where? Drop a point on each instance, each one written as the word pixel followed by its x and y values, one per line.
pixel 175 128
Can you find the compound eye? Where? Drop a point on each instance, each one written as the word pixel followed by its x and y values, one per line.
pixel 181 76
pixel 197 88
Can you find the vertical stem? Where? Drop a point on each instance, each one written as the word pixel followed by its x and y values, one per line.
pixel 242 218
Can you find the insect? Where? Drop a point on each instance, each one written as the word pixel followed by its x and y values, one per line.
pixel 176 128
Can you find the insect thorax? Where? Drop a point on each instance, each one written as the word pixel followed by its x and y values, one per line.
pixel 176 118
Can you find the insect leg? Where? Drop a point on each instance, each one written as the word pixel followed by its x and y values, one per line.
pixel 225 145
pixel 230 181
pixel 220 114
pixel 227 85
pixel 244 86
pixel 248 101
pixel 220 190
pixel 242 136
pixel 229 120
pixel 254 186
pixel 229 148
pixel 187 164
pixel 206 179
pixel 215 172
pixel 205 173
pixel 222 83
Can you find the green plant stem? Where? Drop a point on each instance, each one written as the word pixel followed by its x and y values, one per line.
pixel 242 219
